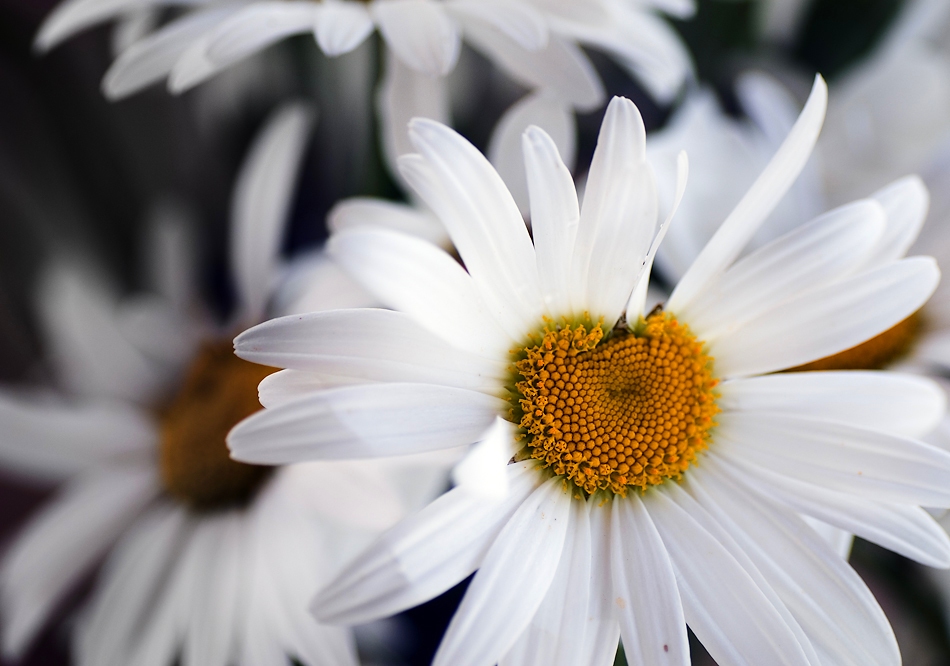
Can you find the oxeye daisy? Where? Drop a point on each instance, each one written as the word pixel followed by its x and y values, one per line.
pixel 208 561
pixel 656 470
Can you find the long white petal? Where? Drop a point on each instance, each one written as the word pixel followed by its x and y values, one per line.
pixel 554 216
pixel 831 602
pixel 423 555
pixel 735 616
pixel 420 33
pixel 363 212
pixel 60 545
pixel 422 280
pixel 260 204
pixel 54 440
pixel 827 248
pixel 505 147
pixel 369 421
pixel 618 218
pixel 827 320
pixel 884 401
pixel 511 582
pixel 905 529
pixel 652 625
pixel 876 465
pixel 483 221
pixel 758 202
pixel 519 21
pixel 375 345
pixel 906 202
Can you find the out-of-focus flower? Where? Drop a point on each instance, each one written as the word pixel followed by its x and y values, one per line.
pixel 543 351
pixel 210 561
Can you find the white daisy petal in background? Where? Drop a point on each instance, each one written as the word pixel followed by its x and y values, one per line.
pixel 595 540
pixel 208 561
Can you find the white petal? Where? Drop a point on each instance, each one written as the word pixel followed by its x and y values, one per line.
pixel 758 202
pixel 602 633
pixel 260 204
pixel 727 609
pixel 422 280
pixel 88 346
pixel 483 221
pixel 561 68
pixel 812 255
pixel 420 33
pixel 906 202
pixel 423 555
pixel 132 576
pixel 211 634
pixel 288 385
pixel 555 636
pixel 72 16
pixel 884 401
pixel 618 218
pixel 554 216
pixel 374 345
pixel 51 440
pixel 827 320
pixel 62 543
pixel 133 26
pixel 363 212
pixel 505 146
pixel 511 582
pixel 252 29
pixel 404 94
pixel 369 421
pixel 152 58
pixel 908 530
pixel 876 465
pixel 831 602
pixel 519 21
pixel 652 626
pixel 341 26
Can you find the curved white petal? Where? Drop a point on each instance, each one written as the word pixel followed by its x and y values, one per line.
pixel 511 582
pixel 374 345
pixel 341 26
pixel 363 212
pixel 420 33
pixel 758 202
pixel 423 555
pixel 827 320
pixel 618 217
pixel 314 282
pixel 519 21
pixel 652 625
pixel 260 203
pixel 505 149
pixel 906 202
pixel 422 280
pixel 883 401
pixel 365 421
pixel 482 218
pixel 62 543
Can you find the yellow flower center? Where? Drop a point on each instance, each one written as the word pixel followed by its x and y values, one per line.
pixel 874 354
pixel 629 410
pixel 218 391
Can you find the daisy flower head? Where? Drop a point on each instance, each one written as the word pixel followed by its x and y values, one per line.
pixel 207 561
pixel 656 471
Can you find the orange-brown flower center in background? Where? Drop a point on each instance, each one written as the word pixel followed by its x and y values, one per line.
pixel 219 390
pixel 628 411
pixel 874 354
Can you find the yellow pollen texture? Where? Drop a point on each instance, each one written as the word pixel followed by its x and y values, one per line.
pixel 219 390
pixel 628 411
pixel 874 354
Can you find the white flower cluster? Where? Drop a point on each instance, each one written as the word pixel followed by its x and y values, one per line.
pixel 667 393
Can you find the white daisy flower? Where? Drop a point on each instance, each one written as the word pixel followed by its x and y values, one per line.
pixel 208 561
pixel 658 468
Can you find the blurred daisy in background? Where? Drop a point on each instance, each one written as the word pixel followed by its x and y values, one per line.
pixel 208 561
pixel 649 469
pixel 537 43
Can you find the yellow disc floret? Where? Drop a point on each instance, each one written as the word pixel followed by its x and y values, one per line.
pixel 630 409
